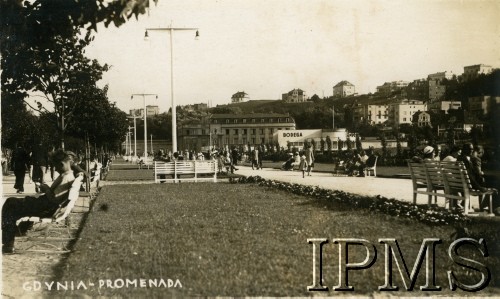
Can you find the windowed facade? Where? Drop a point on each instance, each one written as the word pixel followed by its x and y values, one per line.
pixel 222 130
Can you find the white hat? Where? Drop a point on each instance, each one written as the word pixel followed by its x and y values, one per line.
pixel 428 149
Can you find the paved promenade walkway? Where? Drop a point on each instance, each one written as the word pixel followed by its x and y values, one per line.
pixel 400 189
pixel 8 186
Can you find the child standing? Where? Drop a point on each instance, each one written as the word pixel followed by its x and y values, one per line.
pixel 303 164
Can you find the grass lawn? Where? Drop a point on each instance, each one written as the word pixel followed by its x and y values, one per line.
pixel 244 240
pixel 128 172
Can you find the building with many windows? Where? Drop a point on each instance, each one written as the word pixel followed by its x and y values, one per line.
pixel 437 87
pixel 444 106
pixel 294 96
pixel 472 71
pixel 343 89
pixel 150 109
pixel 226 130
pixel 390 87
pixel 243 129
pixel 401 112
pixel 422 119
pixel 239 97
pixel 193 134
pixel 371 113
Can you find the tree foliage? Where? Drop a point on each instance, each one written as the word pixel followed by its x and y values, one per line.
pixel 42 45
pixel 95 118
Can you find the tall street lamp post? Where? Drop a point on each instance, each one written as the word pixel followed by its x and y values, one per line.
pixel 126 144
pixel 174 112
pixel 152 145
pixel 145 120
pixel 130 142
pixel 135 132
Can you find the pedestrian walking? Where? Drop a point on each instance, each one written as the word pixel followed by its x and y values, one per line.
pixel 255 158
pixel 39 162
pixel 309 154
pixel 20 160
pixel 303 166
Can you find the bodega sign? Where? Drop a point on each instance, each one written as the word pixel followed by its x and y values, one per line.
pixel 394 259
pixel 292 134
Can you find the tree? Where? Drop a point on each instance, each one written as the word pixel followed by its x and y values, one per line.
pixel 17 122
pixel 383 142
pixel 450 132
pixel 64 76
pixel 348 143
pixel 399 150
pixel 98 120
pixel 315 98
pixel 313 144
pixel 359 146
pixel 41 49
pixel 429 135
pixel 56 17
pixel 476 134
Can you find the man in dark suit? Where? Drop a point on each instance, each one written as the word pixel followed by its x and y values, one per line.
pixel 20 160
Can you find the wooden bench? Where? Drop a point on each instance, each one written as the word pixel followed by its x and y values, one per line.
pixel 458 187
pixel 446 179
pixel 185 170
pixel 420 181
pixel 58 224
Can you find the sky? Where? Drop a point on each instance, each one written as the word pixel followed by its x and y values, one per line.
pixel 266 48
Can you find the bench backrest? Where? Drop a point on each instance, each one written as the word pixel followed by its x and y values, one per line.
pixel 418 174
pixel 456 178
pixel 434 174
pixel 205 166
pixel 185 167
pixel 164 167
pixel 73 195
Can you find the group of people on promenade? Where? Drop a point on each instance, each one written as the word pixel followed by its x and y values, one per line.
pixel 39 164
pixel 356 162
pixel 162 155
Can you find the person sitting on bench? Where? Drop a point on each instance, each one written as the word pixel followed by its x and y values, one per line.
pixel 43 206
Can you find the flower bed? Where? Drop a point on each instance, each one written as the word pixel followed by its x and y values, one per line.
pixel 432 215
